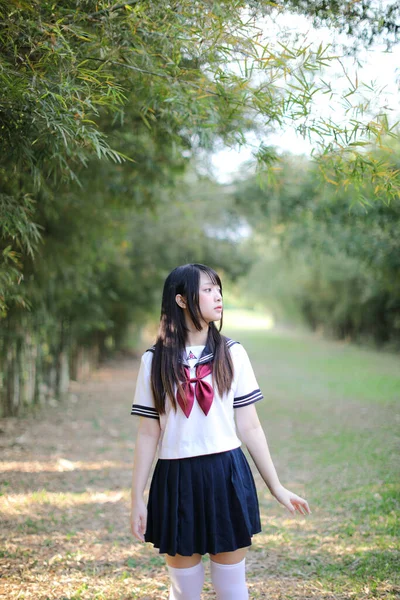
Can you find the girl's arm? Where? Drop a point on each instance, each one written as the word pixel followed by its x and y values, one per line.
pixel 145 451
pixel 252 435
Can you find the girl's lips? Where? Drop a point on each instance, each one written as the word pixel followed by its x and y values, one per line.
pixel 218 308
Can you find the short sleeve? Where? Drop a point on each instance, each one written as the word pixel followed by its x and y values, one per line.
pixel 247 389
pixel 143 402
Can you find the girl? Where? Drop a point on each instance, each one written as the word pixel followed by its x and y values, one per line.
pixel 190 386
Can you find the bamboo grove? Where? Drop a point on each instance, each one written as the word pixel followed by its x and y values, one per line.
pixel 104 109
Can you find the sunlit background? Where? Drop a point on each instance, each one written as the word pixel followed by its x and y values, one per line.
pixel 261 141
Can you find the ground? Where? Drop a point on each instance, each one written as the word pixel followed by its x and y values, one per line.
pixel 66 469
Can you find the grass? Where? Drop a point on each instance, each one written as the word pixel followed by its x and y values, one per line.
pixel 331 414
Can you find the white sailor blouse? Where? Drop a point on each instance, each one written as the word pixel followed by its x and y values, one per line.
pixel 204 424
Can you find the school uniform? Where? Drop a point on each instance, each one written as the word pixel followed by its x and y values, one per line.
pixel 202 495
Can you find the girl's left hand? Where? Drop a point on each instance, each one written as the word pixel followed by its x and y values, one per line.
pixel 292 501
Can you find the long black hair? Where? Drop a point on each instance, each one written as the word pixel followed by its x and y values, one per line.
pixel 166 370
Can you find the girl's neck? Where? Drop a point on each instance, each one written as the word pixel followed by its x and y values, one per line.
pixel 196 338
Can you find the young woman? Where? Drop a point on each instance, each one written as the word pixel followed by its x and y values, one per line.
pixel 195 395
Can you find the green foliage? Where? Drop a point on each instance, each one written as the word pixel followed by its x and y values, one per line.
pixel 103 108
pixel 71 71
pixel 104 258
pixel 333 258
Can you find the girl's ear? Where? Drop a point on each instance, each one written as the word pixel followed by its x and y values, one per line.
pixel 180 301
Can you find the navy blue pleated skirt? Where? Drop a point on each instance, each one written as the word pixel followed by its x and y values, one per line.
pixel 202 504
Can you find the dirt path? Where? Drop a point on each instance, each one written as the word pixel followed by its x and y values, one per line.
pixel 65 478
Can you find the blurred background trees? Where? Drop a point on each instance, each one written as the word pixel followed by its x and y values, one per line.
pixel 104 110
pixel 325 258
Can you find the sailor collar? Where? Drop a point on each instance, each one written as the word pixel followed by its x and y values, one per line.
pixel 206 356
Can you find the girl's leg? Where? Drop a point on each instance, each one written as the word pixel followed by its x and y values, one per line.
pixel 228 575
pixel 187 576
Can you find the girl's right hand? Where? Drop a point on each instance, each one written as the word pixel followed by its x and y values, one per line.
pixel 291 500
pixel 138 519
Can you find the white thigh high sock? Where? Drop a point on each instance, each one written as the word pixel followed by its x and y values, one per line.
pixel 186 584
pixel 229 581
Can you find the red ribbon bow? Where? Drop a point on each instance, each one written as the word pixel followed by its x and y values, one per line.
pixel 204 390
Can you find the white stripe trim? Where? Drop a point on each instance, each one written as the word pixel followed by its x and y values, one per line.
pixel 144 411
pixel 247 403
pixel 245 396
pixel 206 357
pixel 248 399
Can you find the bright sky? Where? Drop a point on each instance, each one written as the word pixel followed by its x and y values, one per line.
pixel 377 65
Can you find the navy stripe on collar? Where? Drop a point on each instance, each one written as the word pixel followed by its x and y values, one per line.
pixel 206 356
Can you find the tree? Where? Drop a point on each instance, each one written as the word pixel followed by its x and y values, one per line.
pixel 324 255
pixel 171 66
pixel 103 107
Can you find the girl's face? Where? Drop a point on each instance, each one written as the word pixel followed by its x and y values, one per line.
pixel 210 299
